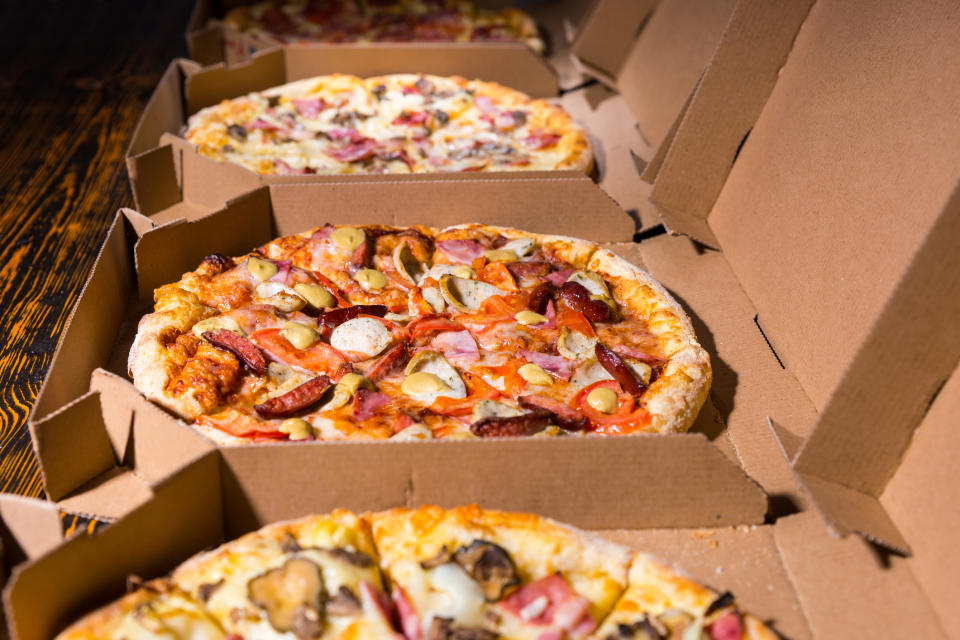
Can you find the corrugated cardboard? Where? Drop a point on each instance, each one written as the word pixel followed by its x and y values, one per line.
pixel 209 41
pixel 652 52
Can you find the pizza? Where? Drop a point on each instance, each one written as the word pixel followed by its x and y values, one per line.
pixel 383 21
pixel 402 123
pixel 423 574
pixel 377 332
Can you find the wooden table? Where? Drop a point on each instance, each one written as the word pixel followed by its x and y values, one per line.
pixel 74 78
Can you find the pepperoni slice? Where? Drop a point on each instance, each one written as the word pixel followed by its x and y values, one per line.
pixel 295 400
pixel 245 350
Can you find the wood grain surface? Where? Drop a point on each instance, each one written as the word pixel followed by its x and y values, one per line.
pixel 74 77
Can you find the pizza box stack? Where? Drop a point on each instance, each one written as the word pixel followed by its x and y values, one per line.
pixel 817 257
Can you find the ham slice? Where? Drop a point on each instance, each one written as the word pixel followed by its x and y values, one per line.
pixel 260 123
pixel 409 620
pixel 354 151
pixel 557 278
pixel 366 403
pixel 557 365
pixel 541 140
pixel 726 627
pixel 283 270
pixel 551 602
pixel 411 118
pixel 464 251
pixel 637 354
pixel 485 105
pixel 352 135
pixel 309 107
pixel 458 347
pixel 286 170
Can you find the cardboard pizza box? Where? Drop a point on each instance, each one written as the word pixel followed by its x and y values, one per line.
pixel 210 41
pixel 652 52
pixel 119 291
pixel 793 573
pixel 158 173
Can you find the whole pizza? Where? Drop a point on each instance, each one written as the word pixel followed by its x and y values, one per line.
pixel 385 332
pixel 424 574
pixel 404 123
pixel 383 21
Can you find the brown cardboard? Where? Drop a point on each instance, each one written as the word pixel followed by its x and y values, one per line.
pixel 209 41
pixel 160 177
pixel 654 70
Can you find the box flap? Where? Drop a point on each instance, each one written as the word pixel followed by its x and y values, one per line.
pixel 47 593
pixel 607 33
pixel 164 110
pixel 203 39
pixel 30 528
pixel 922 499
pixel 512 64
pixel 72 446
pixel 698 155
pixel 668 58
pixel 866 427
pixel 92 326
pixel 850 590
pixel 853 162
pixel 641 479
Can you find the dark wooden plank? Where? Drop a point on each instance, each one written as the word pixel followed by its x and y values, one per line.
pixel 74 77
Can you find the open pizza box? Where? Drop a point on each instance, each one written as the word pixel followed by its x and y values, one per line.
pixel 792 573
pixel 210 41
pixel 164 168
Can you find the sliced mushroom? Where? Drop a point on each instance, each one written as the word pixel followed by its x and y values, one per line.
pixel 520 246
pixel 490 565
pixel 591 282
pixel 361 338
pixel 574 345
pixel 343 603
pixel 434 298
pixel 466 295
pixel 442 556
pixel 424 371
pixel 278 295
pixel 407 264
pixel 291 595
pixel 493 409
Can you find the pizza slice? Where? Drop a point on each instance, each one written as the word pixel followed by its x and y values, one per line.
pixel 157 609
pixel 660 604
pixel 467 573
pixel 315 578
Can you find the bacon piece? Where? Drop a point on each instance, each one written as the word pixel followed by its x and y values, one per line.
pixel 457 346
pixel 345 133
pixel 366 403
pixel 260 123
pixel 310 107
pixel 522 425
pixel 380 602
pixel 409 620
pixel 541 140
pixel 540 297
pixel 557 365
pixel 619 370
pixel 637 354
pixel 402 421
pixel 465 251
pixel 295 400
pixel 577 298
pixel 565 610
pixel 283 269
pixel 323 232
pixel 566 418
pixel 361 256
pixel 332 319
pixel 393 360
pixel 354 151
pixel 320 357
pixel 246 351
pixel 726 627
pixel 557 278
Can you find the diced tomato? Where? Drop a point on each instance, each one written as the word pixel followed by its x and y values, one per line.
pixel 497 274
pixel 332 288
pixel 431 324
pixel 494 310
pixel 574 320
pixel 628 418
pixel 513 382
pixel 320 357
pixel 241 425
